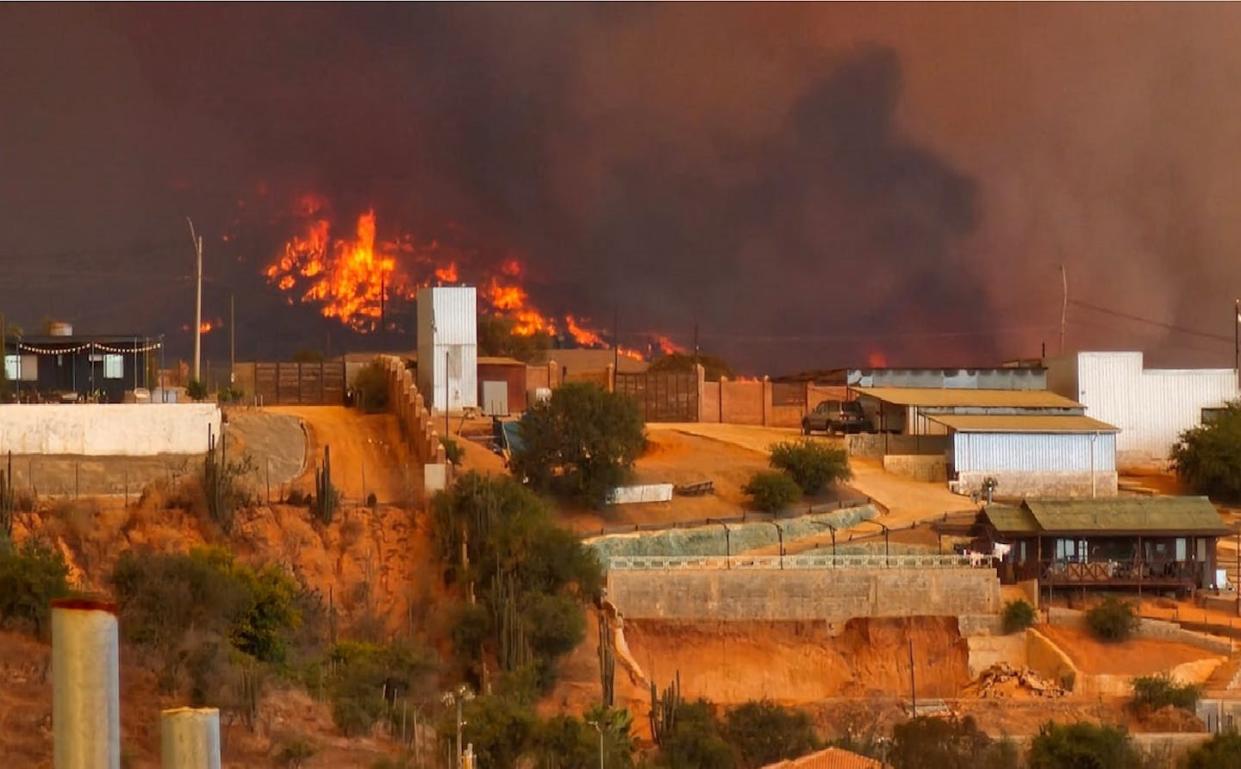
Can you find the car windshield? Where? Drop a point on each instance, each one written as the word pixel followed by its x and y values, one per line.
pixel 852 407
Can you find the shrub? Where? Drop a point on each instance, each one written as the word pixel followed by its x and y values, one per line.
pixel 295 753
pixel 1208 457
pixel 1018 615
pixel 814 465
pixel 1223 751
pixel 1112 621
pixel 764 733
pixel 500 728
pixel 1155 692
pixel 196 390
pixel 30 578
pixel 771 491
pixel 370 388
pixel 1081 744
pixel 580 443
pixel 568 742
pixel 452 450
pixel 695 742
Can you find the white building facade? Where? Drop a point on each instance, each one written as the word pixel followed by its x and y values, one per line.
pixel 448 347
pixel 1151 407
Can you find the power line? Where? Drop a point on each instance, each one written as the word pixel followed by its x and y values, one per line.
pixel 1150 321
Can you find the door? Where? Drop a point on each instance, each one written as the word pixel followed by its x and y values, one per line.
pixel 495 398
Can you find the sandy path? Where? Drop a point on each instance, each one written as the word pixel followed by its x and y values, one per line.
pixel 907 500
pixel 368 454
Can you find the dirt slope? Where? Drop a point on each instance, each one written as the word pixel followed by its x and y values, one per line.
pixel 368 454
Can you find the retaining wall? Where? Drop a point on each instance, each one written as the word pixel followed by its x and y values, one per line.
pixel 988 650
pixel 930 469
pixel 416 424
pixel 107 429
pixel 1148 628
pixel 834 595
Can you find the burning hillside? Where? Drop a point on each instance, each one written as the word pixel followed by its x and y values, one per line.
pixel 352 274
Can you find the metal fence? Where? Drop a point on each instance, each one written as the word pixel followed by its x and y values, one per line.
pixel 818 561
pixel 662 397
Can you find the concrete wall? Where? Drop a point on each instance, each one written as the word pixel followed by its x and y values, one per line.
pixel 988 650
pixel 1148 628
pixel 416 425
pixel 932 469
pixel 834 595
pixel 1034 484
pixel 874 445
pixel 107 429
pixel 1150 406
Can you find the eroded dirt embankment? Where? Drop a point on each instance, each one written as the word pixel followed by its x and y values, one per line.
pixel 789 662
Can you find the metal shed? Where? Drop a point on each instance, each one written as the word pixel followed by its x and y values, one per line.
pixel 448 347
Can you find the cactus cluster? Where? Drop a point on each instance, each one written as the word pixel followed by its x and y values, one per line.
pixel 607 661
pixel 326 496
pixel 664 709
pixel 515 651
pixel 8 499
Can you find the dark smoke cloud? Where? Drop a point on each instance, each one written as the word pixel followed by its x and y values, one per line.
pixel 809 184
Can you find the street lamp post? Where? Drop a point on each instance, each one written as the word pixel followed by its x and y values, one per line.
pixel 599 728
pixel 458 697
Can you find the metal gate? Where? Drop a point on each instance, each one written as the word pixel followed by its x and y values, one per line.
pixel 308 384
pixel 662 397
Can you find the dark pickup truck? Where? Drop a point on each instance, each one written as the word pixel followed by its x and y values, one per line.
pixel 833 417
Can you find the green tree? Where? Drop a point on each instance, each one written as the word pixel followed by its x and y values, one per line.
pixel 530 575
pixel 566 742
pixel 196 390
pixel 1208 457
pixel 695 741
pixel 1081 745
pixel 771 491
pixel 581 442
pixel 1223 751
pixel 764 733
pixel 814 465
pixel 1155 692
pixel 368 677
pixel 500 728
pixel 30 578
pixel 713 366
pixel 937 743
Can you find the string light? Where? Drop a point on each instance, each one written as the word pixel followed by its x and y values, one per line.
pixel 89 346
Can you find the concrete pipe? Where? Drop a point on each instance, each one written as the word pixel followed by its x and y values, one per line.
pixel 86 701
pixel 190 738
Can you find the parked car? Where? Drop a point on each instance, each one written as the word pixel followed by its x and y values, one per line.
pixel 833 417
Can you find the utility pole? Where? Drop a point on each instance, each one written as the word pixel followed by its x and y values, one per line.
pixel 695 346
pixel 1064 305
pixel 198 297
pixel 1236 335
pixel 232 340
pixel 615 341
pixel 913 688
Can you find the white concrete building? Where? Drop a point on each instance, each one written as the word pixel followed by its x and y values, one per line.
pixel 448 347
pixel 1150 406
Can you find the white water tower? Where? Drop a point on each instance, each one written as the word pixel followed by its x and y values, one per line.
pixel 448 347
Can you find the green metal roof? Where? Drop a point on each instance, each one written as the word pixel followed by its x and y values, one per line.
pixel 1011 520
pixel 1112 515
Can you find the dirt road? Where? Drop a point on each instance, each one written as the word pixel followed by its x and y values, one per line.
pixel 368 454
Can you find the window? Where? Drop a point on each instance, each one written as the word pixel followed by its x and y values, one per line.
pixel 113 366
pixel 24 368
pixel 1211 415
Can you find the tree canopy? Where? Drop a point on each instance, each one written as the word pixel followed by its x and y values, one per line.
pixel 580 443
pixel 1208 457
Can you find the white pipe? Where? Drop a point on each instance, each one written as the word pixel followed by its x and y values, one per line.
pixel 86 702
pixel 190 738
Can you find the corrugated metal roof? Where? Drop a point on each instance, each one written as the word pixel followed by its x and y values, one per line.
pixel 831 758
pixel 1127 514
pixel 1011 520
pixel 920 396
pixel 1022 423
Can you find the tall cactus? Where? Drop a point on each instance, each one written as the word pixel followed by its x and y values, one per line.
pixel 218 506
pixel 515 651
pixel 326 495
pixel 8 499
pixel 607 661
pixel 664 709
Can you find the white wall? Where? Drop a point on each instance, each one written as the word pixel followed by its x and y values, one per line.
pixel 1150 406
pixel 448 346
pixel 107 429
pixel 1033 452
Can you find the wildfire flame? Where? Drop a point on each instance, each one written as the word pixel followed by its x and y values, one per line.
pixel 667 346
pixel 351 277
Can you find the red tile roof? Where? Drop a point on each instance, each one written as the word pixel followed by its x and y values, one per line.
pixel 831 758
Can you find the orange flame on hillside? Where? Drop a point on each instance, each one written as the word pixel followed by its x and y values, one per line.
pixel 667 346
pixel 582 335
pixel 351 277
